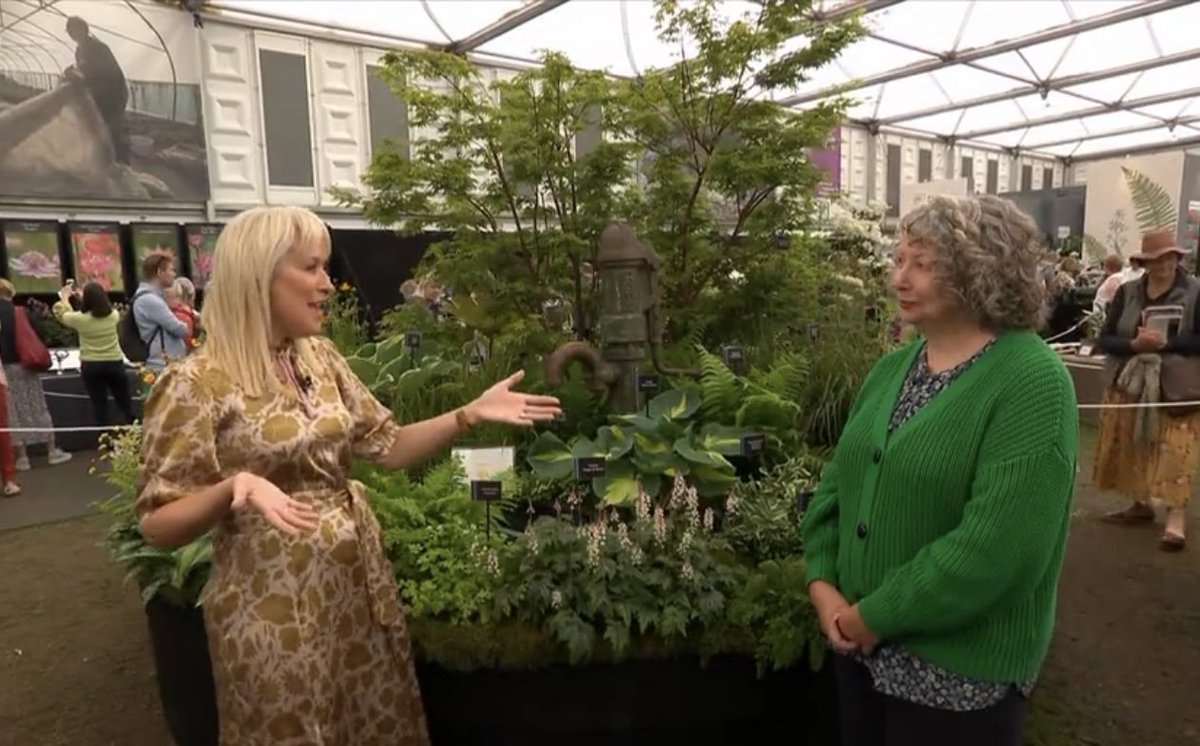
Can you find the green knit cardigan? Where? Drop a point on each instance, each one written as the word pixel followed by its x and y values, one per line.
pixel 950 532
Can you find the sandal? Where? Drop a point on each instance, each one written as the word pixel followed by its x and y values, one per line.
pixel 1171 542
pixel 1132 515
pixel 12 489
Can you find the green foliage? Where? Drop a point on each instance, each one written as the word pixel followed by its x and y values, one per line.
pixel 641 449
pixel 665 574
pixel 774 607
pixel 1095 249
pixel 53 332
pixel 1153 207
pixel 501 170
pixel 424 383
pixel 766 401
pixel 177 576
pixel 726 171
pixel 527 171
pixel 761 517
pixel 436 537
pixel 343 322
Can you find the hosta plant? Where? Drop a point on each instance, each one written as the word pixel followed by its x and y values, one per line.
pixel 641 449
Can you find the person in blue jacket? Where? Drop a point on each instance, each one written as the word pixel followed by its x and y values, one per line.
pixel 164 334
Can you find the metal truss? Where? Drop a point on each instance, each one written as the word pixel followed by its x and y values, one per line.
pixel 977 58
pixel 945 59
pixel 503 25
pixel 1032 85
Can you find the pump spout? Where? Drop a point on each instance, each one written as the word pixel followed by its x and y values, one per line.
pixel 599 374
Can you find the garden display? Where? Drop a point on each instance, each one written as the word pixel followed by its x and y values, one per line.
pixel 640 572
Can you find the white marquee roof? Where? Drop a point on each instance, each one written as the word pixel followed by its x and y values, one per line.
pixel 1076 79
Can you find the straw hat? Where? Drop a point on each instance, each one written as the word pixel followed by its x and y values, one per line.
pixel 1158 244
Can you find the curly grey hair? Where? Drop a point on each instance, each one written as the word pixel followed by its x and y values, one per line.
pixel 987 254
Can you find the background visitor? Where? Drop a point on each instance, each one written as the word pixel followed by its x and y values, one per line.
pixel 101 364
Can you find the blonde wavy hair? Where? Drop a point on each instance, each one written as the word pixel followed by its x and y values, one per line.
pixel 987 255
pixel 237 305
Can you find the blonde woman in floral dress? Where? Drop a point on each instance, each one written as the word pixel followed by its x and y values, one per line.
pixel 251 438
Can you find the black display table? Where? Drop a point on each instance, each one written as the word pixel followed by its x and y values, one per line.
pixel 69 407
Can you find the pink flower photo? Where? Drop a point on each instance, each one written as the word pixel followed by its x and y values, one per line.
pixel 98 258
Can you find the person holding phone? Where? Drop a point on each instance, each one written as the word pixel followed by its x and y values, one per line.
pixel 1150 453
pixel 101 364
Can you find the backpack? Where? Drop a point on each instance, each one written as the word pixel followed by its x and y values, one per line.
pixel 136 349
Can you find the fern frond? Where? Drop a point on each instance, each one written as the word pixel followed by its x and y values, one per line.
pixel 769 411
pixel 720 389
pixel 1155 211
pixel 791 376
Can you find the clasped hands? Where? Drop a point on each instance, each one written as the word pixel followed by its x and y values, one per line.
pixel 841 623
pixel 1148 340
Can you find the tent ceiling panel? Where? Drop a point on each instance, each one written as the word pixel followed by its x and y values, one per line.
pixel 1063 74
pixel 1072 130
pixel 594 35
pixel 459 18
pixel 1165 79
pixel 1131 141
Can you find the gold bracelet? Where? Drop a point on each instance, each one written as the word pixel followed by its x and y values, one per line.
pixel 464 423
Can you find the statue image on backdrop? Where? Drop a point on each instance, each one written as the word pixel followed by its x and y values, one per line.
pixel 94 104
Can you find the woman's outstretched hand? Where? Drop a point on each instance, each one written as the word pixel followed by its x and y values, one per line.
pixel 288 515
pixel 501 404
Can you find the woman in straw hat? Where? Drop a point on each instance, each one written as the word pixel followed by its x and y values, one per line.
pixel 1152 339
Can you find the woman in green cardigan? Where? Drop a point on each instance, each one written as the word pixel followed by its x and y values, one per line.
pixel 935 539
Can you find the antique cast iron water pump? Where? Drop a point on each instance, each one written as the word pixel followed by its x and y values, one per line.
pixel 629 326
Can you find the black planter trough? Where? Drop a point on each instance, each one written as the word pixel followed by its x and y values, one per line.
pixel 184 672
pixel 651 702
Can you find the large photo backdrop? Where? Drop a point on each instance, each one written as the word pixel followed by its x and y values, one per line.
pixel 99 99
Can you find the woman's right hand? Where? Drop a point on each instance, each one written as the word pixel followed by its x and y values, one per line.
pixel 829 603
pixel 281 511
pixel 1148 340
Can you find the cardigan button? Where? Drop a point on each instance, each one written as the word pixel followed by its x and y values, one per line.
pixel 861 530
pixel 877 456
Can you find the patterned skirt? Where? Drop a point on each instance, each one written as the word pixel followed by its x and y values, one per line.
pixel 1162 469
pixel 27 405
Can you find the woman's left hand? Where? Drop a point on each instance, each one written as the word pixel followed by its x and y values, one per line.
pixel 850 623
pixel 501 404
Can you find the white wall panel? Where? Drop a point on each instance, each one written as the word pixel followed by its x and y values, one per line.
pixel 860 185
pixel 231 117
pixel 342 145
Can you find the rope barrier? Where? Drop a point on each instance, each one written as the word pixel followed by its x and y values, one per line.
pixel 80 429
pixel 107 428
pixel 64 395
pixel 1086 318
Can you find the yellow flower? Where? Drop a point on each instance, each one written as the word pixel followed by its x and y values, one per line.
pixel 345 287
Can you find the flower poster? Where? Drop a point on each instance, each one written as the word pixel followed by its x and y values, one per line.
pixel 96 249
pixel 202 243
pixel 154 238
pixel 31 256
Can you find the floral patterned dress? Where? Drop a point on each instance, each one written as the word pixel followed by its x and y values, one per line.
pixel 308 641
